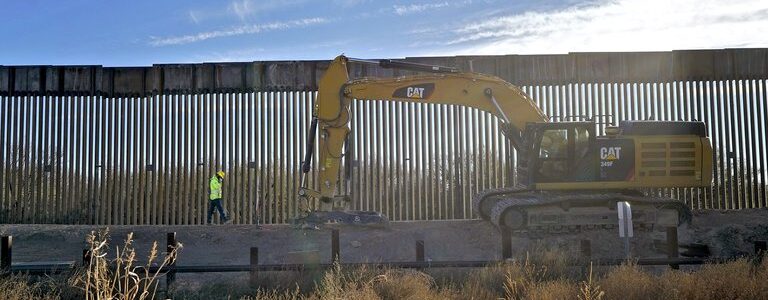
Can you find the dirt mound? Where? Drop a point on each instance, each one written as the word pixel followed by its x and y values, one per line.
pixel 727 233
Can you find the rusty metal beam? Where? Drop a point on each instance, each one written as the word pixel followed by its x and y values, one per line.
pixel 303 75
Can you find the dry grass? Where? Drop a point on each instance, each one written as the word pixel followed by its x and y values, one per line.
pixel 553 290
pixel 738 279
pixel 530 278
pixel 119 277
pixel 615 286
pixel 589 290
pixel 22 287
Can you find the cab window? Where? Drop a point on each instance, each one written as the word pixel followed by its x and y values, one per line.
pixel 554 144
pixel 582 142
pixel 565 154
pixel 553 155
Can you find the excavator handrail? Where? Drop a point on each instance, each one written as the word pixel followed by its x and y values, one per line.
pixel 404 65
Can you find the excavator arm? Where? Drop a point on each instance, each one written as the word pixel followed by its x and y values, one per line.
pixel 442 85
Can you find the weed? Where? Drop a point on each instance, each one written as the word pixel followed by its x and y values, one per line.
pixel 589 290
pixel 120 278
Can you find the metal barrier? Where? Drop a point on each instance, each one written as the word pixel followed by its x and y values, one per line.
pixel 255 266
pixel 94 145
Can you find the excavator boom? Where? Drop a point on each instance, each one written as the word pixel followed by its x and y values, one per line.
pixel 441 86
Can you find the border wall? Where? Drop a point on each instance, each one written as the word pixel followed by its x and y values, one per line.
pixel 137 145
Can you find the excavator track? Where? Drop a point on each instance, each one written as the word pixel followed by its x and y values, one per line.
pixel 553 212
pixel 483 202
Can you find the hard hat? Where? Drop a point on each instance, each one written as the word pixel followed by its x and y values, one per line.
pixel 220 174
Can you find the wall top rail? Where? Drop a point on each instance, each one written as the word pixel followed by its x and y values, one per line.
pixel 593 67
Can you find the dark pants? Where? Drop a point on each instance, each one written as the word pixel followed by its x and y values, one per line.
pixel 216 204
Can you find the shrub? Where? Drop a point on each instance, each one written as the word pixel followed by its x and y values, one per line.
pixel 553 290
pixel 738 279
pixel 22 287
pixel 119 278
pixel 589 290
pixel 628 281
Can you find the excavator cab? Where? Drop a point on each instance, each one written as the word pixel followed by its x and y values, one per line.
pixel 561 152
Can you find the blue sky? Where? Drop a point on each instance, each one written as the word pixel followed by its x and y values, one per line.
pixel 143 32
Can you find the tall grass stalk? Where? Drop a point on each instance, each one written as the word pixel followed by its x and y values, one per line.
pixel 529 278
pixel 120 277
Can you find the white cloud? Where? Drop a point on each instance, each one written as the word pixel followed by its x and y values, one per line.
pixel 193 17
pixel 402 10
pixel 245 8
pixel 622 25
pixel 241 8
pixel 235 31
pixel 246 54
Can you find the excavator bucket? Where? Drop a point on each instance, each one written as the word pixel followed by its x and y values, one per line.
pixel 317 219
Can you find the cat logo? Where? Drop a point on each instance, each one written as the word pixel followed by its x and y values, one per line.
pixel 415 92
pixel 610 153
pixel 418 91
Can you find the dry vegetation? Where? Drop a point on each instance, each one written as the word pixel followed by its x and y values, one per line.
pixel 119 278
pixel 108 275
pixel 115 275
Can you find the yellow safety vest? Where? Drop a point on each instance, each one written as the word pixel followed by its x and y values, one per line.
pixel 215 188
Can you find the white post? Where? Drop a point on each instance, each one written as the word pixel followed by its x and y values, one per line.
pixel 625 224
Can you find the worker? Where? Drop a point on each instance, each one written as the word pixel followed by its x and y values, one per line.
pixel 215 197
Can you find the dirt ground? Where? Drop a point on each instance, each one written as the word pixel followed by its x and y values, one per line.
pixel 230 244
pixel 727 233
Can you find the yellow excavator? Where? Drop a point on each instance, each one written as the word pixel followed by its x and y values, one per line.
pixel 569 178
